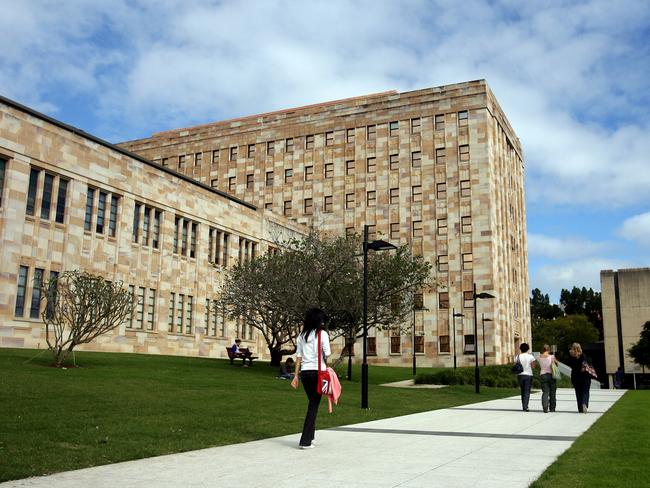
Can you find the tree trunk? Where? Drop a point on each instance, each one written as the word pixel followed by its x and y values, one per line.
pixel 276 356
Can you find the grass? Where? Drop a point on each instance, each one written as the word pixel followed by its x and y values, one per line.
pixel 613 452
pixel 118 407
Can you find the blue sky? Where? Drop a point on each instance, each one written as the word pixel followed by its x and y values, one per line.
pixel 572 77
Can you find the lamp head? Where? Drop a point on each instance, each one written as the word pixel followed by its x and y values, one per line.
pixel 379 245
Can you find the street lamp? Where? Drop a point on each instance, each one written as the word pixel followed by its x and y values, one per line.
pixel 454 315
pixel 483 320
pixel 478 296
pixel 376 245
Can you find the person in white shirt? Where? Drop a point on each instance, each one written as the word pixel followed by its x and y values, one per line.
pixel 307 364
pixel 525 378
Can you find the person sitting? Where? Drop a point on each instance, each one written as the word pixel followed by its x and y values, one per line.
pixel 286 369
pixel 235 348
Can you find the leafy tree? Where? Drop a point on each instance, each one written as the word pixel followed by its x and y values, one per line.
pixel 79 308
pixel 541 308
pixel 640 352
pixel 583 301
pixel 563 332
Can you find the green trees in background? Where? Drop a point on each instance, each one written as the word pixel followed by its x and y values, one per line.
pixel 640 352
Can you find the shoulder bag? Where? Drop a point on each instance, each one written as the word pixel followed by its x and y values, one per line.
pixel 518 367
pixel 324 384
pixel 555 370
pixel 588 370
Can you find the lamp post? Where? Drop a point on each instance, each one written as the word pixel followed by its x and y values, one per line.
pixel 454 315
pixel 376 245
pixel 477 377
pixel 483 320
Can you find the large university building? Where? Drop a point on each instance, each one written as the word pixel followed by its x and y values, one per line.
pixel 438 169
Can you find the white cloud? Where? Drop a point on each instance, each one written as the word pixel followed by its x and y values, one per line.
pixel 563 248
pixel 637 228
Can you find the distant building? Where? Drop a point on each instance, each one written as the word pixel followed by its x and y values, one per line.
pixel 626 307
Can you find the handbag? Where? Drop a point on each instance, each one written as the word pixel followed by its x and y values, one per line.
pixel 555 371
pixel 518 367
pixel 323 384
pixel 589 370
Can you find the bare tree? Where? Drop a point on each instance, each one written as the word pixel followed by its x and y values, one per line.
pixel 79 307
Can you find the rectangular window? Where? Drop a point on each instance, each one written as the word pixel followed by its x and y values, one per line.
pixel 214 183
pixel 468 261
pixel 371 346
pixel 218 246
pixel 288 175
pixel 371 198
pixel 46 200
pixel 463 153
pixel 185 227
pixel 251 151
pixel 101 213
pixel 270 148
pixel 469 344
pixel 416 193
pixel 395 341
pixel 394 196
pixel 139 310
pixel 193 235
pixel 155 234
pixel 440 122
pixel 250 182
pixel 215 156
pixel 134 308
pixel 181 162
pixel 269 178
pixel 198 159
pixel 170 317
pixel 441 191
pixel 466 225
pixel 232 184
pixel 417 228
pixel 287 208
pixel 443 342
pixel 188 316
pixel 394 231
pixel 329 138
pixel 309 173
pixel 371 132
pixel 35 307
pixel 443 263
pixel 233 153
pixel 468 299
pixel 165 161
pixel 309 206
pixel 207 316
pixel 416 159
pixel 442 227
pixel 372 232
pixel 19 310
pixel 60 199
pixel 288 144
pixel 443 300
pixel 349 136
pixel 49 310
pixel 372 165
pixel 462 118
pixel 177 222
pixel 349 200
pixel 329 170
pixel 31 192
pixel 90 201
pixel 309 142
pixel 465 188
pixel 268 206
pixel 394 162
pixel 440 155
pixel 3 165
pixel 415 126
pixel 328 203
pixel 393 129
pixel 419 344
pixel 349 167
pixel 180 302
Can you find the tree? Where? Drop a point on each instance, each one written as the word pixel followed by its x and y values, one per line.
pixel 583 301
pixel 541 307
pixel 80 307
pixel 640 352
pixel 563 332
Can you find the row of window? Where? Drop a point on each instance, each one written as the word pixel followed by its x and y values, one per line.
pixel 309 141
pixel 28 298
pixel 395 346
pixel 54 190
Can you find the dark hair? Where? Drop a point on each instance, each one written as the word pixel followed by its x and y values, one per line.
pixel 289 360
pixel 524 347
pixel 315 319
pixel 237 340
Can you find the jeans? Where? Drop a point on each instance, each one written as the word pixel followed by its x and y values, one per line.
pixel 549 385
pixel 525 383
pixel 581 385
pixel 309 381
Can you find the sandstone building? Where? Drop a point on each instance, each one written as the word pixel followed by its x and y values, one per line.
pixel 439 169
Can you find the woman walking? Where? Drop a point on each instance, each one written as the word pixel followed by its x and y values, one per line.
pixel 525 378
pixel 549 384
pixel 307 353
pixel 580 380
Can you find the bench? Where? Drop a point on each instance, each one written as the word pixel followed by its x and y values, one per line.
pixel 243 355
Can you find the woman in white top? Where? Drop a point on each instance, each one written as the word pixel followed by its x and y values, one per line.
pixel 307 364
pixel 525 378
pixel 549 384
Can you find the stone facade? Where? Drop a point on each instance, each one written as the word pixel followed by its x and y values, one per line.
pixel 439 169
pixel 69 201
pixel 626 307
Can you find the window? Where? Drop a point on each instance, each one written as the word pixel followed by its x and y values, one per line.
pixel 395 341
pixel 394 162
pixel 288 145
pixel 440 155
pixel 329 170
pixel 371 199
pixel 198 158
pixel 371 346
pixel 468 299
pixel 394 196
pixel 442 227
pixel 188 232
pixel 49 310
pixel 35 307
pixel 31 192
pixel 247 250
pixel 349 200
pixel 3 164
pixel 329 138
pixel 309 206
pixel 181 161
pixel 146 225
pixel 416 193
pixel 415 126
pixel 309 142
pixel 393 129
pixel 443 263
pixel 443 300
pixel 270 148
pixel 232 184
pixel 371 132
pixel 440 122
pixel 462 118
pixel 218 246
pixel 214 183
pixel 288 175
pixel 463 153
pixel 268 206
pixel 372 232
pixel 418 301
pixel 419 344
pixel 349 231
pixel 90 199
pixel 441 191
pixel 417 228
pixel 60 200
pixel 443 342
pixel 180 302
pixel 349 136
pixel 466 225
pixel 372 165
pixel 469 344
pixel 19 310
pixel 309 173
pixel 51 184
pixel 101 213
pixel 46 199
pixel 137 315
pixel 328 203
pixel 269 178
pixel 188 316
pixel 287 208
pixel 165 161
pixel 233 153
pixel 394 231
pixel 170 316
pixel 251 150
pixel 215 156
pixel 416 159
pixel 250 182
pixel 468 261
pixel 349 167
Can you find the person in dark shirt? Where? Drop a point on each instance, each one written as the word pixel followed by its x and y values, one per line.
pixel 286 369
pixel 580 380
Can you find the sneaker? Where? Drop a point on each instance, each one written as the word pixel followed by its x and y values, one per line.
pixel 584 409
pixel 310 446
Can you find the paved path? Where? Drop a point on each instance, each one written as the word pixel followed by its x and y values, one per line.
pixel 489 444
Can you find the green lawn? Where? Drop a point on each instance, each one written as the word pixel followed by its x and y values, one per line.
pixel 118 407
pixel 615 451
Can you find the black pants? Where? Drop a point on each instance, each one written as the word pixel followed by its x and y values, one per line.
pixel 309 380
pixel 525 383
pixel 581 386
pixel 549 387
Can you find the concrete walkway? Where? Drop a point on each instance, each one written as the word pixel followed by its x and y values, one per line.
pixel 489 444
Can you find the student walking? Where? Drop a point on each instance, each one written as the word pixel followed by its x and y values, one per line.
pixel 549 384
pixel 580 379
pixel 525 378
pixel 307 352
